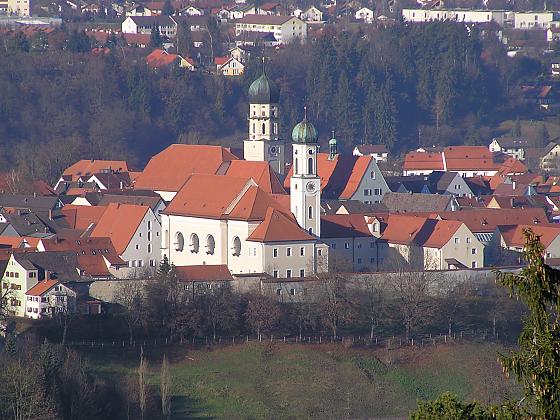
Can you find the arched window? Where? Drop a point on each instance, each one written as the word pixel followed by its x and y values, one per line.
pixel 263 128
pixel 194 244
pixel 179 241
pixel 295 167
pixel 310 165
pixel 310 212
pixel 310 231
pixel 210 245
pixel 236 249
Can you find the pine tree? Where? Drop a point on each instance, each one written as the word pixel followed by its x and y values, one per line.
pixel 536 364
pixel 184 39
pixel 386 115
pixel 516 129
pixel 167 8
pixel 155 37
pixel 541 138
pixel 346 108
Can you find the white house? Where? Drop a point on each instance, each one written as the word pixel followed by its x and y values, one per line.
pixel 458 15
pixel 378 151
pixel 512 146
pixel 19 7
pixel 136 234
pixel 365 14
pixel 312 14
pixel 192 11
pixel 284 28
pixel 229 66
pixel 145 24
pixel 48 298
pixel 534 20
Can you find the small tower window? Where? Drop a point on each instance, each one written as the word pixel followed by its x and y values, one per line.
pixel 295 167
pixel 310 165
pixel 310 212
pixel 254 128
pixel 263 128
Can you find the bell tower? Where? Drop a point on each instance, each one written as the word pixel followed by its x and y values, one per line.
pixel 305 184
pixel 263 142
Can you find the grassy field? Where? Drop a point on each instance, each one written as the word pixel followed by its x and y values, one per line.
pixel 298 381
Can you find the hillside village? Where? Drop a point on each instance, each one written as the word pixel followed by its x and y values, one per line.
pixel 272 215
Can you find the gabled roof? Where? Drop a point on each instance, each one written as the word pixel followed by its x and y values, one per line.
pixel 513 235
pixel 41 288
pixel 411 203
pixel 207 196
pixel 510 141
pixel 89 167
pixel 260 172
pixel 423 161
pixel 254 204
pixel 159 20
pixel 206 273
pixel 439 181
pixel 158 59
pixel 120 222
pixel 344 226
pixel 138 197
pixel 439 234
pixel 486 220
pixel 402 229
pixel 82 217
pixel 60 265
pixel 86 247
pixel 23 201
pixel 367 149
pixel 341 176
pixel 170 168
pixel 278 227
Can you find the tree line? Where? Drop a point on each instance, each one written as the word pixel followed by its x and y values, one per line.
pixel 409 305
pixel 399 86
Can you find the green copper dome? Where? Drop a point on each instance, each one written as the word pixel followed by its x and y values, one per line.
pixel 263 91
pixel 304 132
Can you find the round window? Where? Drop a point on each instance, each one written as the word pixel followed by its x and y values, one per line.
pixel 310 151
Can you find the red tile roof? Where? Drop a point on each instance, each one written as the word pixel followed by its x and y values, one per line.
pixel 340 177
pixel 195 199
pixel 84 247
pixel 402 229
pixel 440 234
pixel 486 220
pixel 513 235
pixel 170 169
pixel 159 59
pixel 42 287
pixel 463 158
pixel 190 273
pixel 90 167
pixel 220 61
pixel 81 217
pixel 423 161
pixel 277 227
pixel 120 222
pixel 260 172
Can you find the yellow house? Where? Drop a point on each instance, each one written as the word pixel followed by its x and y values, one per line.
pixel 229 66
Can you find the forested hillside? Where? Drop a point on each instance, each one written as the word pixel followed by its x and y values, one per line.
pixel 431 84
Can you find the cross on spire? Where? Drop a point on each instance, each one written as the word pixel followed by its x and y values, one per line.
pixel 305 112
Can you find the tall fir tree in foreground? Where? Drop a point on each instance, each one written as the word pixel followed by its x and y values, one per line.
pixel 536 363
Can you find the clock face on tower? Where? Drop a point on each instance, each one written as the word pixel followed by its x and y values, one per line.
pixel 310 187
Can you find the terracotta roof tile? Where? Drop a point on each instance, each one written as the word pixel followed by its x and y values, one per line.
pixel 277 227
pixel 170 169
pixel 41 287
pixel 260 172
pixel 513 235
pixel 402 229
pixel 340 177
pixel 120 222
pixel 81 217
pixel 90 167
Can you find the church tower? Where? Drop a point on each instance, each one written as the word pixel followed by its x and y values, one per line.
pixel 305 184
pixel 263 143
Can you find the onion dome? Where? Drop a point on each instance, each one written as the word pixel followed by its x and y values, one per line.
pixel 304 132
pixel 263 91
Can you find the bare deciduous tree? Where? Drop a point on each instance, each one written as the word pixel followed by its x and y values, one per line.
pixel 165 388
pixel 130 296
pixel 262 313
pixel 411 289
pixel 142 384
pixel 334 302
pixel 373 294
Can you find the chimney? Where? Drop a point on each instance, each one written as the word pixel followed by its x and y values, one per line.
pixel 514 184
pixel 50 214
pixel 121 185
